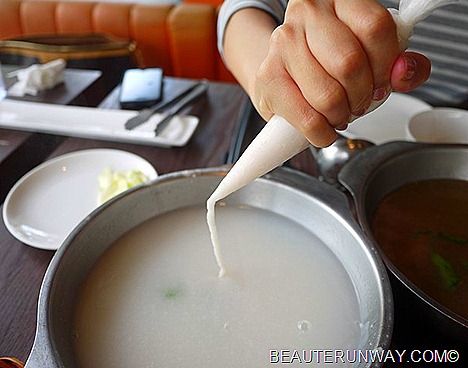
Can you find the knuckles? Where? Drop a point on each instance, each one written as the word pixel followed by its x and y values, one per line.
pixel 282 36
pixel 300 8
pixel 350 64
pixel 332 103
pixel 317 130
pixel 376 24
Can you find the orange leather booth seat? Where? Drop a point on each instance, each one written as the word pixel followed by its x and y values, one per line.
pixel 180 38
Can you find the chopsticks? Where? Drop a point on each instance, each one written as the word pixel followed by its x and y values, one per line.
pixel 174 105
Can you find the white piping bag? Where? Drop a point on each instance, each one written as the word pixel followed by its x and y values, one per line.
pixel 279 141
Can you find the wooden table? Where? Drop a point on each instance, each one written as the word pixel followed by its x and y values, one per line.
pixel 22 267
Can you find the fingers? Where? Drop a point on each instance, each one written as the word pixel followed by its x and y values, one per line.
pixel 312 124
pixel 276 92
pixel 375 29
pixel 338 51
pixel 355 43
pixel 323 93
pixel 409 71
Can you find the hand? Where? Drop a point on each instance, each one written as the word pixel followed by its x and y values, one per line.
pixel 327 61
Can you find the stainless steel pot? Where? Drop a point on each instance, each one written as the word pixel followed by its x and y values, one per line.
pixel 420 321
pixel 314 205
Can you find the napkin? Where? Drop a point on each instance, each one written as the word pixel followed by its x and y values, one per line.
pixel 37 77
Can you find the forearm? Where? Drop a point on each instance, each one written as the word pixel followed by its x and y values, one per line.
pixel 246 43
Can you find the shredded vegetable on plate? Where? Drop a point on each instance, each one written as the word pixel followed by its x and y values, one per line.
pixel 112 183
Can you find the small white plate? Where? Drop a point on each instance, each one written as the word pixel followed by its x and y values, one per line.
pixel 46 204
pixel 388 122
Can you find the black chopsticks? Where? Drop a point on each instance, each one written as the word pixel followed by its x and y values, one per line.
pixel 174 105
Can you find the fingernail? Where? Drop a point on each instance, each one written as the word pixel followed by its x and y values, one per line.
pixel 410 67
pixel 360 112
pixel 342 126
pixel 379 94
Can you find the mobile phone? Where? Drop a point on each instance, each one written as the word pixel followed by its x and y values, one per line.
pixel 141 88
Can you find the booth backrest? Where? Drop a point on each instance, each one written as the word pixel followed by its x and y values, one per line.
pixel 179 38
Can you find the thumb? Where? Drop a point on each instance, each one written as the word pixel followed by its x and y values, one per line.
pixel 409 71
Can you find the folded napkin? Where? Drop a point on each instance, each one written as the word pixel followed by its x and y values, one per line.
pixel 36 78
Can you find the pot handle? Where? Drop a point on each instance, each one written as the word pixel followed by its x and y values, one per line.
pixel 6 362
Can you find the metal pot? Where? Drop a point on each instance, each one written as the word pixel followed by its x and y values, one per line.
pixel 420 321
pixel 314 205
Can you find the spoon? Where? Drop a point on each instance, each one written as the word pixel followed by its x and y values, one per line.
pixel 330 160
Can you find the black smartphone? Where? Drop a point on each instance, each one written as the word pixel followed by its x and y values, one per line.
pixel 141 88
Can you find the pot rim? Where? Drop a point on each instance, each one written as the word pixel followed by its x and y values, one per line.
pixel 44 341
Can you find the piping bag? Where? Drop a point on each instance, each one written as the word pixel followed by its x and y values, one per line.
pixel 279 141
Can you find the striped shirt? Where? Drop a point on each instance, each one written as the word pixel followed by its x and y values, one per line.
pixel 442 37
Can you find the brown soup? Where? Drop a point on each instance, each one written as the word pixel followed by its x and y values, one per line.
pixel 422 227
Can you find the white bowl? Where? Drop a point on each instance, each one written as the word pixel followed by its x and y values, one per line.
pixel 439 125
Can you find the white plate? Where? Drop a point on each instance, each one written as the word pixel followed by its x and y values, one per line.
pixel 388 122
pixel 46 204
pixel 88 122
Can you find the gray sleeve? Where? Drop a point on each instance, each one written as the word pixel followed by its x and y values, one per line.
pixel 275 8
